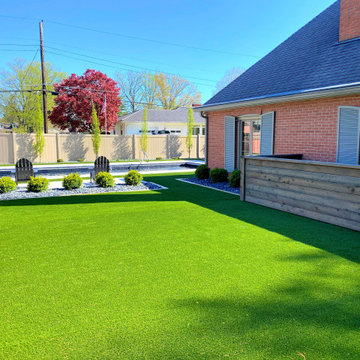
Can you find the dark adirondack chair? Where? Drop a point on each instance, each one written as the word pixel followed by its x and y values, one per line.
pixel 100 164
pixel 23 170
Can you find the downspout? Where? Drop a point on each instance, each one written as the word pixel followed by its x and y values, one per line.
pixel 206 117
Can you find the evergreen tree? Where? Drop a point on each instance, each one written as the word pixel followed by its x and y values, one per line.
pixel 95 135
pixel 190 126
pixel 144 132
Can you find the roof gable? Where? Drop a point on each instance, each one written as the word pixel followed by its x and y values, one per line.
pixel 311 58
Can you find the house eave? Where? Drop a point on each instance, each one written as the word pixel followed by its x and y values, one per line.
pixel 330 91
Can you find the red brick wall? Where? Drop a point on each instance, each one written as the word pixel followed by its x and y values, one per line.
pixel 304 127
pixel 349 19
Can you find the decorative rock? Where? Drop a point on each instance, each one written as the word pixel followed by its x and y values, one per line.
pixel 87 188
pixel 220 186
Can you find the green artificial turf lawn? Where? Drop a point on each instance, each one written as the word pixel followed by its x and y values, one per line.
pixel 183 273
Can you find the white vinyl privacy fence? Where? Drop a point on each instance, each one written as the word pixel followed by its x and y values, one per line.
pixel 71 147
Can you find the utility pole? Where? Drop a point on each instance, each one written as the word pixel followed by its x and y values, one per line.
pixel 43 76
pixel 105 116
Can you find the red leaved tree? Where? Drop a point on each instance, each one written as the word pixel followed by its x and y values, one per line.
pixel 77 94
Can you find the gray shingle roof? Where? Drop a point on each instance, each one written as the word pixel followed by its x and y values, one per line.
pixel 312 58
pixel 178 115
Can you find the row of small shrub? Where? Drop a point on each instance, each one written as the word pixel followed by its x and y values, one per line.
pixel 70 182
pixel 218 175
pixel 35 184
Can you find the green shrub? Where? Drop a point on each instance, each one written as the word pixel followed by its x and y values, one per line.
pixel 202 172
pixel 133 177
pixel 159 158
pixel 104 179
pixel 72 181
pixel 7 185
pixel 80 160
pixel 60 160
pixel 218 175
pixel 37 184
pixel 234 180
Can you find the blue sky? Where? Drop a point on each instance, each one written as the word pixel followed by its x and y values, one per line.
pixel 239 32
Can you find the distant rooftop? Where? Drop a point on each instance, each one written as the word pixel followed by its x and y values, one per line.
pixel 178 115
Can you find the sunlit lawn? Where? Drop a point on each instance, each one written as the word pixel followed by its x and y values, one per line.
pixel 183 273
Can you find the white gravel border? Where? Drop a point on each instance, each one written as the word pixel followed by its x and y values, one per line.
pixel 87 189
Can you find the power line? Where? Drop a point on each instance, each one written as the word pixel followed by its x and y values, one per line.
pixel 30 64
pixel 110 61
pixel 108 54
pixel 152 40
pixel 114 67
pixel 12 50
pixel 124 64
pixel 74 87
pixel 11 44
pixel 168 43
pixel 18 91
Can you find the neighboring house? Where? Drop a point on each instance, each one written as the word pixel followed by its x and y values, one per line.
pixel 301 98
pixel 172 122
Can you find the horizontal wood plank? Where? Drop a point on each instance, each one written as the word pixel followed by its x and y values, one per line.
pixel 322 209
pixel 309 190
pixel 303 197
pixel 325 192
pixel 346 187
pixel 302 165
pixel 353 225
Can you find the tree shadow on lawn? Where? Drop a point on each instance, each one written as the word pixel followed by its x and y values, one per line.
pixel 331 238
pixel 305 315
pixel 301 317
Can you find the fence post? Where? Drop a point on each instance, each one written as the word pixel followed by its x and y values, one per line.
pixel 57 147
pixel 168 152
pixel 13 138
pixel 198 146
pixel 242 178
pixel 134 146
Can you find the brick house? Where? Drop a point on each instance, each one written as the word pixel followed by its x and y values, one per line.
pixel 301 98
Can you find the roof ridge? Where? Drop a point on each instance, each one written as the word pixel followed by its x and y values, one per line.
pixel 288 68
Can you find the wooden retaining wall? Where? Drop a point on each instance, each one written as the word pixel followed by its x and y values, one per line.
pixel 327 192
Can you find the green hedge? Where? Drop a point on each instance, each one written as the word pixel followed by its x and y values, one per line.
pixel 104 179
pixel 7 185
pixel 133 177
pixel 202 172
pixel 72 181
pixel 234 180
pixel 37 184
pixel 218 175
